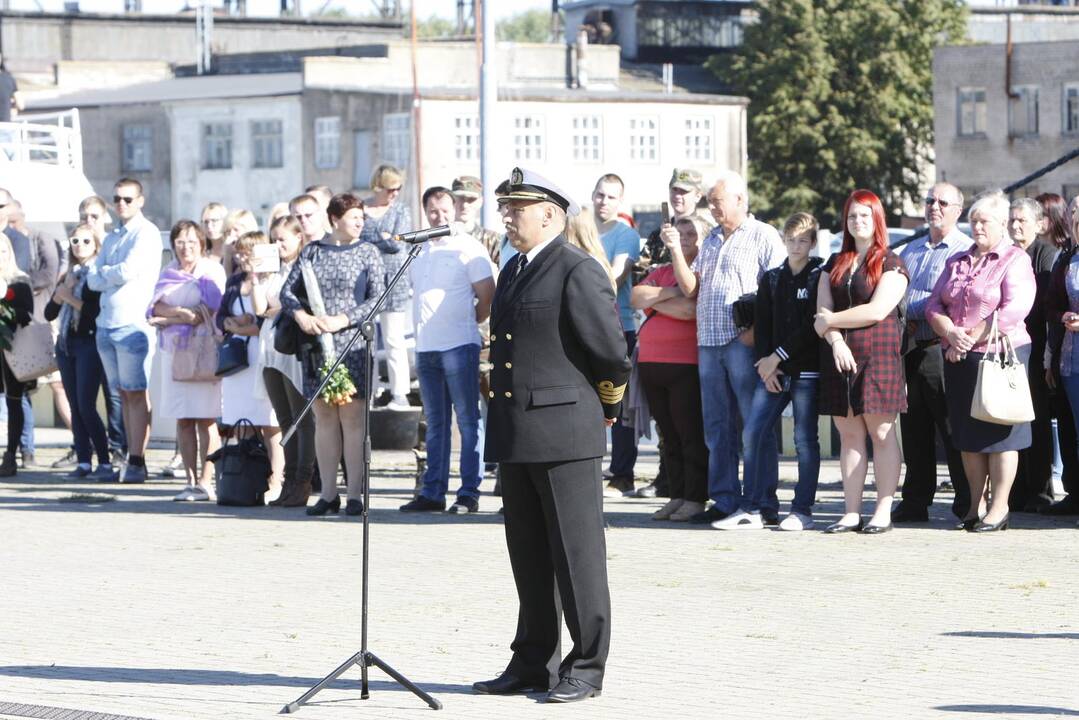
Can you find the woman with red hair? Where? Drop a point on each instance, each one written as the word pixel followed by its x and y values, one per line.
pixel 861 381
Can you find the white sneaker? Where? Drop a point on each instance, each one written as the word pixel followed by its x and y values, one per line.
pixel 175 468
pixel 796 522
pixel 740 520
pixel 200 493
pixel 398 402
pixel 185 495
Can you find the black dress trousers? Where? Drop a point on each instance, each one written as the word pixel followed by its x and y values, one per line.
pixel 560 567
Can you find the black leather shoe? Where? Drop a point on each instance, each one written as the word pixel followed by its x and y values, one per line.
pixel 322 507
pixel 967 525
pixel 571 690
pixel 422 504
pixel 1068 506
pixel 354 507
pixel 836 528
pixel 984 527
pixel 709 516
pixel 908 513
pixel 770 519
pixel 872 529
pixel 507 684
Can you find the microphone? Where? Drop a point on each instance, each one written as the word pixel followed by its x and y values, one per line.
pixel 420 236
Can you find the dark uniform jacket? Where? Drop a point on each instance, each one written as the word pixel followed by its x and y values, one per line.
pixel 558 356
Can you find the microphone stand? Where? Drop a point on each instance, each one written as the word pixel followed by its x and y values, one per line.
pixel 364 658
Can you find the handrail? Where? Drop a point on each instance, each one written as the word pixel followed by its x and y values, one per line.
pixel 49 138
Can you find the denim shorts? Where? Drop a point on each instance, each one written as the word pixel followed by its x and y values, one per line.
pixel 126 354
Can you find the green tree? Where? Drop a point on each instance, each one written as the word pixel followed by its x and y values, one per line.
pixel 532 26
pixel 841 97
pixel 435 27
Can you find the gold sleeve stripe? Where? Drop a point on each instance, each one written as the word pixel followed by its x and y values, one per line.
pixel 609 394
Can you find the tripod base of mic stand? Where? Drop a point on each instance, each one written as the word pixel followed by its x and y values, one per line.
pixel 365 660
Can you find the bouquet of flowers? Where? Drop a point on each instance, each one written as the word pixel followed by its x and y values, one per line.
pixel 340 389
pixel 7 316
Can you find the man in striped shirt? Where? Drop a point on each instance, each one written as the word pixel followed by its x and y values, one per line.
pixel 730 264
pixel 927 411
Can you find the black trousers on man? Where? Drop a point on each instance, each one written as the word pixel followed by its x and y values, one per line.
pixel 554 533
pixel 1034 472
pixel 926 415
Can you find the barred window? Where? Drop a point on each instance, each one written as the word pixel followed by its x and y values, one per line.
pixel 138 143
pixel 267 142
pixel 217 146
pixel 973 112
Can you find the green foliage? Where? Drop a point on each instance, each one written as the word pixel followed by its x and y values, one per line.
pixel 841 97
pixel 436 27
pixel 531 26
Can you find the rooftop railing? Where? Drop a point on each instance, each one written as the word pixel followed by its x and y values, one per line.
pixel 47 138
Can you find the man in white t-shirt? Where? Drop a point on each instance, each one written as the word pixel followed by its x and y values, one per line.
pixel 452 290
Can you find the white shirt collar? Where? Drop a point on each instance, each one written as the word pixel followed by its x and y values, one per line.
pixel 531 254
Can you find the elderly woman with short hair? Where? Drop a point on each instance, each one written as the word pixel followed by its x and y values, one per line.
pixel 993 278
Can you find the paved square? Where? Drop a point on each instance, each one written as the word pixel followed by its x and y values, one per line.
pixel 144 607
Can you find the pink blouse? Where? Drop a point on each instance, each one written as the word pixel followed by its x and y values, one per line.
pixel 1003 282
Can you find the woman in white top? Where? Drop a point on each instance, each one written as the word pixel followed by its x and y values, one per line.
pixel 282 375
pixel 188 292
pixel 243 394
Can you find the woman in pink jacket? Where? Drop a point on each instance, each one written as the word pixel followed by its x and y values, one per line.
pixel 994 276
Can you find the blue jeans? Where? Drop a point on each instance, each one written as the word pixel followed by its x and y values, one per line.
pixel 81 371
pixel 26 441
pixel 761 465
pixel 114 412
pixel 728 381
pixel 450 382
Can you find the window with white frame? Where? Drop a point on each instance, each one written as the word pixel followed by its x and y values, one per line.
pixel 1070 106
pixel 972 111
pixel 267 144
pixel 587 138
pixel 644 139
pixel 327 142
pixel 528 137
pixel 217 146
pixel 397 139
pixel 698 135
pixel 138 143
pixel 1023 111
pixel 466 137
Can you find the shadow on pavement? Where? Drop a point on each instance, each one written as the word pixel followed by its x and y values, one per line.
pixel 1009 710
pixel 1002 635
pixel 172 676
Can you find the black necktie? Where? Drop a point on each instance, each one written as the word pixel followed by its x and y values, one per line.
pixel 522 261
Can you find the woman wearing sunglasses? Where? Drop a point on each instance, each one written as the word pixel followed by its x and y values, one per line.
pixel 77 307
pixel 386 215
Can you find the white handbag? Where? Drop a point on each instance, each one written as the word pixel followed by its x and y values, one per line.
pixel 1002 393
pixel 33 352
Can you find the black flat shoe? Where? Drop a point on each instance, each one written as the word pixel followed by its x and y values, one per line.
pixel 836 528
pixel 984 527
pixel 967 524
pixel 322 507
pixel 354 507
pixel 507 684
pixel 572 690
pixel 872 529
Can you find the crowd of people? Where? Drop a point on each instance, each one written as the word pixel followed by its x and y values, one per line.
pixel 727 319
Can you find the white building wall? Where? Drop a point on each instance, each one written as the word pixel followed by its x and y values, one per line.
pixel 242 186
pixel 646 180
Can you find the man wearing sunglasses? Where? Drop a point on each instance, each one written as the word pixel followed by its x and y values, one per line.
pixel 926 409
pixel 124 273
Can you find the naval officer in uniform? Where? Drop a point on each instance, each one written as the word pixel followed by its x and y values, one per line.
pixel 559 372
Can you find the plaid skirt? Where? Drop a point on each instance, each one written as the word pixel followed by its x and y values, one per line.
pixel 877 387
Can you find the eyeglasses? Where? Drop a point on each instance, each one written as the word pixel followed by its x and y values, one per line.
pixel 944 204
pixel 85 241
pixel 122 199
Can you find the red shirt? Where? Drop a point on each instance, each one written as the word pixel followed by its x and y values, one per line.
pixel 663 339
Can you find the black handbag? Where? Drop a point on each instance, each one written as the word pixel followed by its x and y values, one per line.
pixel 232 353
pixel 744 311
pixel 286 334
pixel 231 356
pixel 242 468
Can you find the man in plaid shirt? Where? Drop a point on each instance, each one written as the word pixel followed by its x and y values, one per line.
pixel 731 262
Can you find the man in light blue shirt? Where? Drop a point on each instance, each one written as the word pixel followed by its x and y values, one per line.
pixel 125 273
pixel 622 245
pixel 927 412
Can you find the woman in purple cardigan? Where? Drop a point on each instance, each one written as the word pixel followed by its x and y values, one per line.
pixel 994 276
